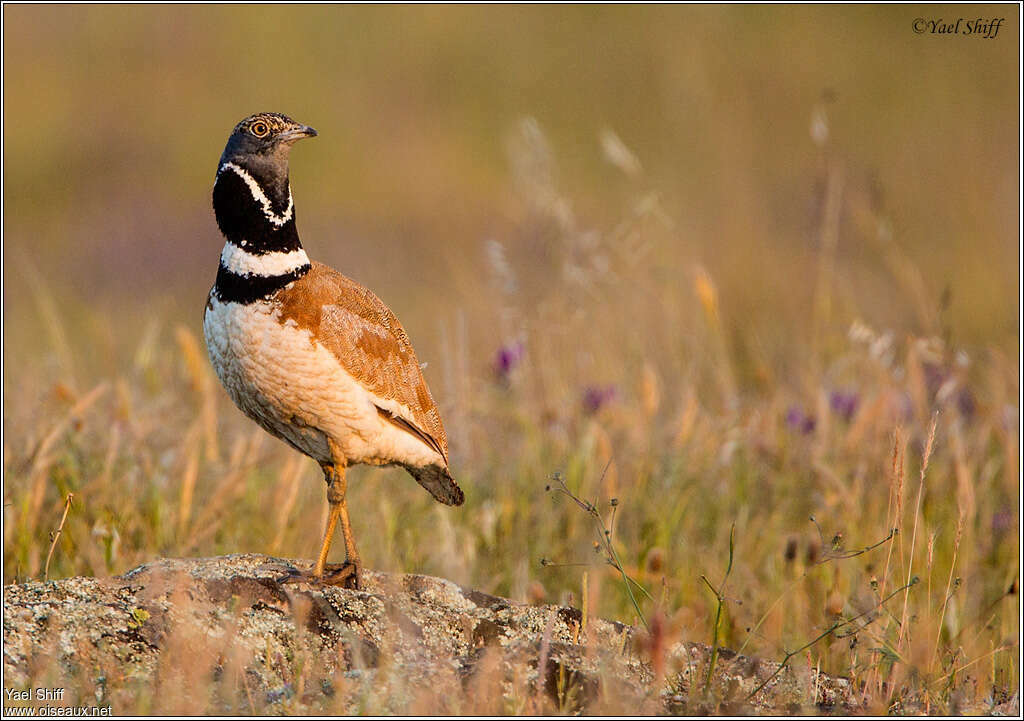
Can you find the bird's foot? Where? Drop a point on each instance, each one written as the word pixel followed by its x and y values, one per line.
pixel 345 575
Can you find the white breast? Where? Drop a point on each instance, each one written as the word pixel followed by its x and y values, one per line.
pixel 298 391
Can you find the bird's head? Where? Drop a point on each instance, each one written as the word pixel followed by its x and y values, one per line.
pixel 263 141
pixel 252 195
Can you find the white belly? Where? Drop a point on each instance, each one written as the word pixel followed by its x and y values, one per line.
pixel 297 390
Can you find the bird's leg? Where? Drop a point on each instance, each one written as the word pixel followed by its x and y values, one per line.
pixel 348 574
pixel 351 554
pixel 331 476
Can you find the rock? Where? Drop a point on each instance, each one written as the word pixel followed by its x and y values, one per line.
pixel 222 635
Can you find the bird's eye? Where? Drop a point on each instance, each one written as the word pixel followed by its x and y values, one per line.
pixel 259 129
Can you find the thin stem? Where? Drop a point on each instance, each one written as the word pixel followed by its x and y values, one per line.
pixel 750 634
pixel 626 579
pixel 56 535
pixel 831 629
pixel 720 595
pixel 917 515
pixel 969 664
pixel 642 589
pixel 605 534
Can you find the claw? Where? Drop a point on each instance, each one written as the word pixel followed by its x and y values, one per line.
pixel 345 575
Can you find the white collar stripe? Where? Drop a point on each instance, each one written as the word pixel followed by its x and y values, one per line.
pixel 260 197
pixel 241 262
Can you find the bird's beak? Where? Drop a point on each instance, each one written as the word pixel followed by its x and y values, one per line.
pixel 298 133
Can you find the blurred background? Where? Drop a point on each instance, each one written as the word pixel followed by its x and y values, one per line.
pixel 115 118
pixel 713 262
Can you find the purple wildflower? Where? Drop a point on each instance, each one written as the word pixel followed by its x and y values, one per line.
pixel 800 421
pixel 844 404
pixel 596 397
pixel 507 358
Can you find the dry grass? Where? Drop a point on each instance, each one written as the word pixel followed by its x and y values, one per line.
pixel 606 330
pixel 907 447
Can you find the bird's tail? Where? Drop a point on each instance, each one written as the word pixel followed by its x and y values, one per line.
pixel 439 482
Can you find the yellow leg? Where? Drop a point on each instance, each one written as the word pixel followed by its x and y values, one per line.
pixel 337 485
pixel 351 555
pixel 332 523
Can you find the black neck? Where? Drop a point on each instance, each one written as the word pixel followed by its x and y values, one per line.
pixel 244 220
pixel 258 220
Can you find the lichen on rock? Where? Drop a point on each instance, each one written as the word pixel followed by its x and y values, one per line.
pixel 223 635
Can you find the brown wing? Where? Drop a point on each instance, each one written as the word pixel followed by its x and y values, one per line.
pixel 367 339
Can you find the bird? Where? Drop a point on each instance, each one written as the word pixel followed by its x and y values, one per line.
pixel 310 355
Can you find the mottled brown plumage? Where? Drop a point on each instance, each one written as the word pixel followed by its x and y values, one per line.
pixel 368 341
